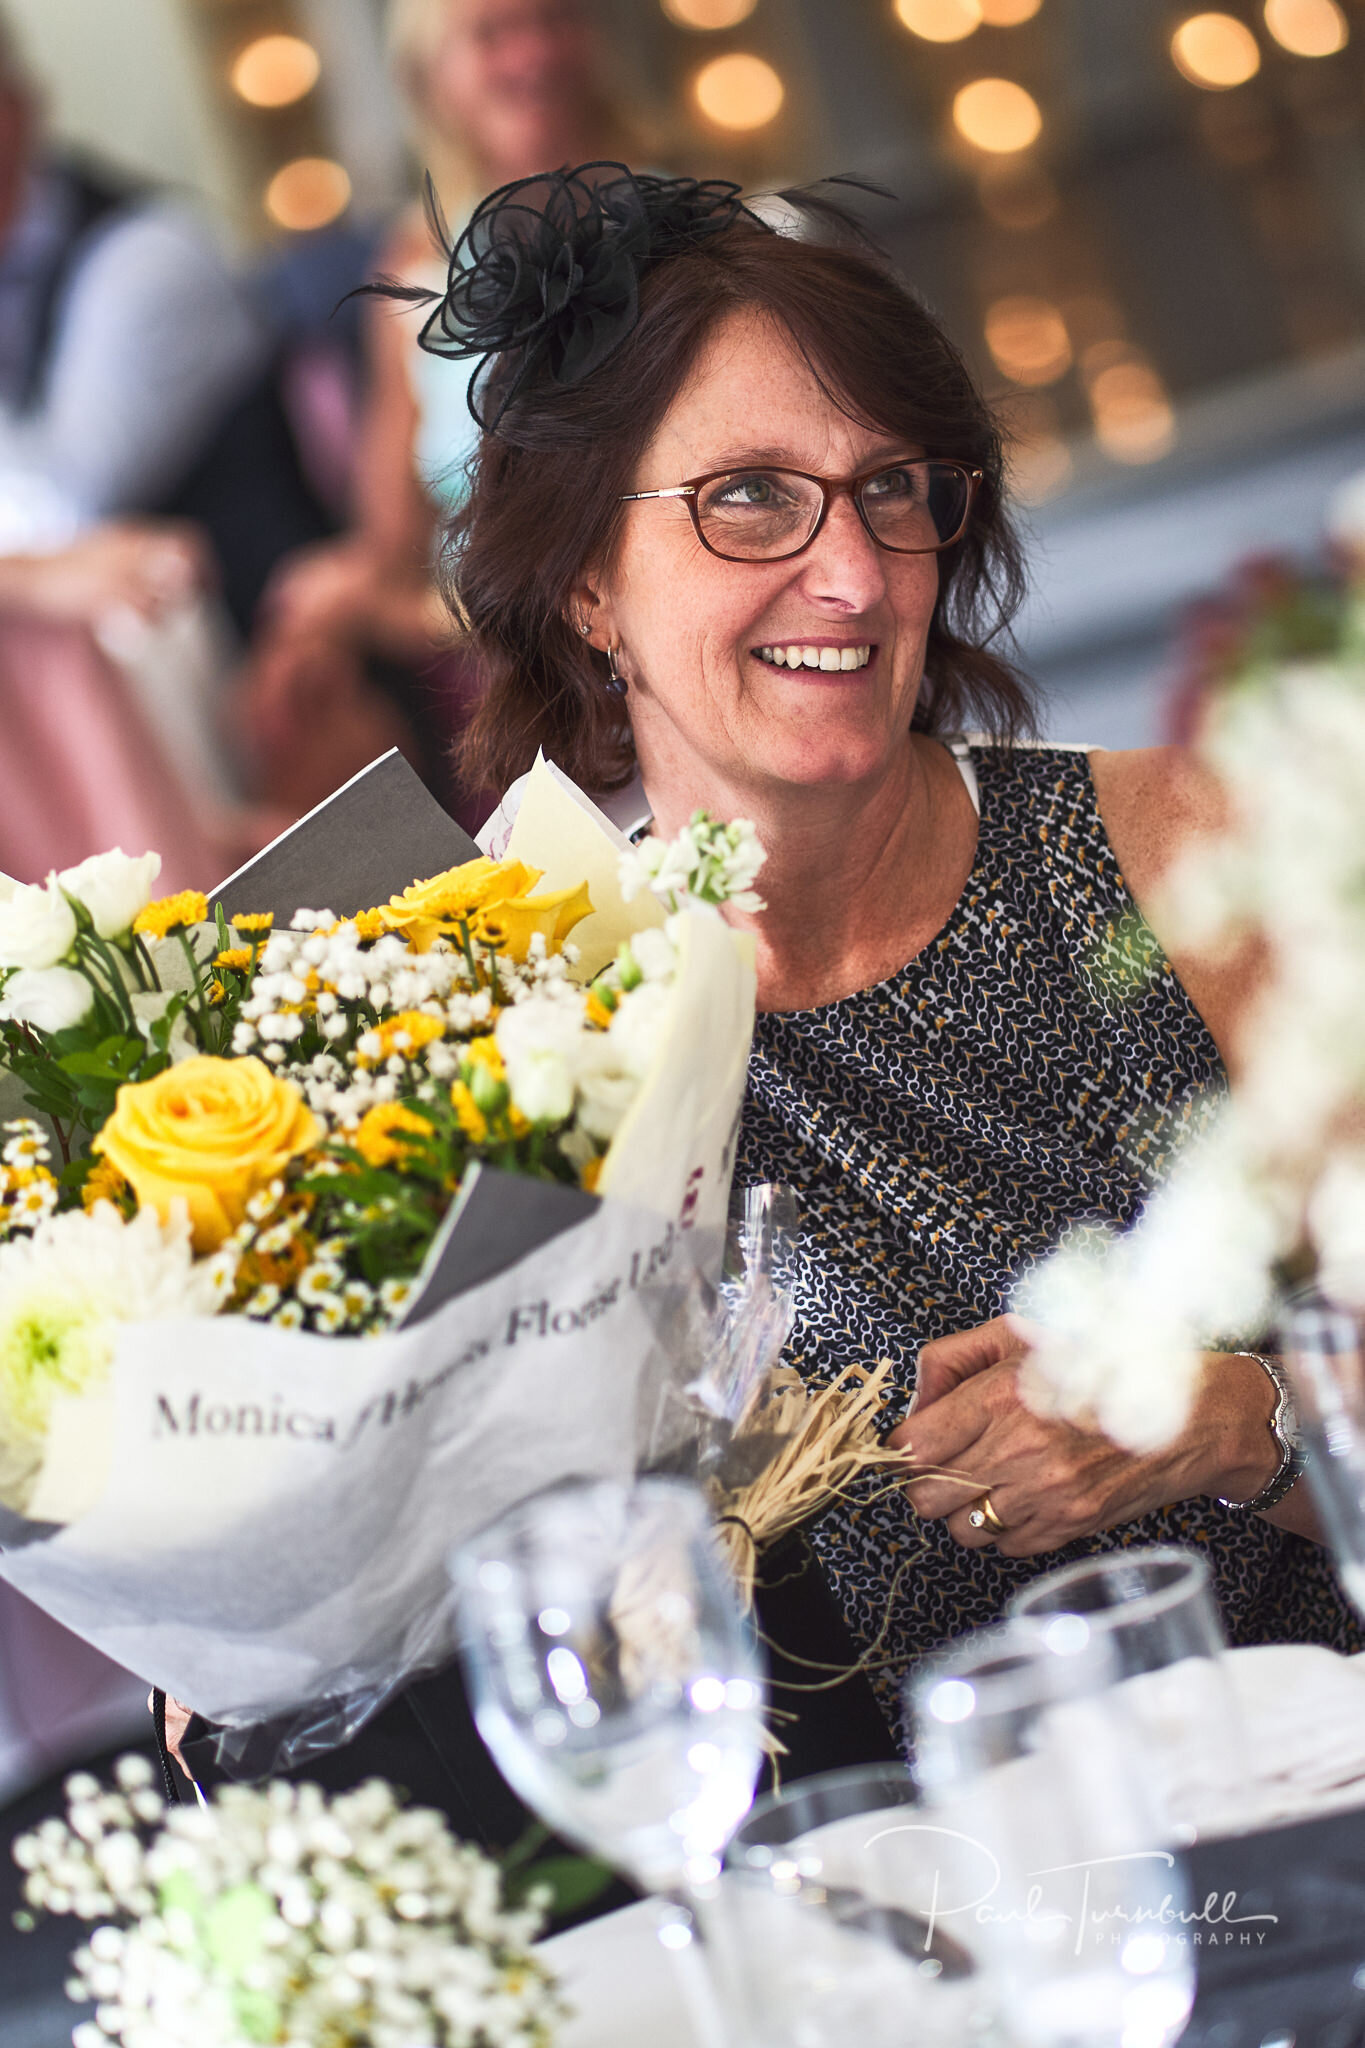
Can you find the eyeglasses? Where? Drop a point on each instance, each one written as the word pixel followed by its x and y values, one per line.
pixel 769 515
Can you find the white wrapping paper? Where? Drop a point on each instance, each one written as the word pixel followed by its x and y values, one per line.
pixel 257 1520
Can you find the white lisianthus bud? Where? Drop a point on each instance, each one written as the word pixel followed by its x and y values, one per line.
pixel 542 1086
pixel 37 927
pixel 113 887
pixel 48 998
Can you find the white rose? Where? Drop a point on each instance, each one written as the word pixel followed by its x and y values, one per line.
pixel 542 1086
pixel 49 998
pixel 113 887
pixel 37 927
pixel 604 1099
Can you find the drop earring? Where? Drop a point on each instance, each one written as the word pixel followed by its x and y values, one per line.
pixel 616 682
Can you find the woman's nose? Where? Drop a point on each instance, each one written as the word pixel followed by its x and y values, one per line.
pixel 844 566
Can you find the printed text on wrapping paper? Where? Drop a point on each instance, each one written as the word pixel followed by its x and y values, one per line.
pixel 539 1320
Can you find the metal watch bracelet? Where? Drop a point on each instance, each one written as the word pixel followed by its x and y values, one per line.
pixel 1284 1429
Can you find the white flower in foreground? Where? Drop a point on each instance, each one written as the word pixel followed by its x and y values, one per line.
pixel 113 887
pixel 1336 1218
pixel 48 998
pixel 65 1290
pixel 37 926
pixel 277 1914
pixel 706 863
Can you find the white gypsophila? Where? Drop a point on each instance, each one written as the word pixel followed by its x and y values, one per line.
pixel 1282 1168
pixel 48 998
pixel 1336 1218
pixel 113 887
pixel 278 1913
pixel 705 863
pixel 37 926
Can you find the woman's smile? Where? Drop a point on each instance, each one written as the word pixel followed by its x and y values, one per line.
pixel 819 658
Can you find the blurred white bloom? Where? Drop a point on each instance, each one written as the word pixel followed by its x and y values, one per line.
pixel 113 887
pixel 1336 1217
pixel 706 863
pixel 37 926
pixel 48 998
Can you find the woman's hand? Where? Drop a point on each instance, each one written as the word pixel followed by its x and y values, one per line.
pixel 123 566
pixel 1049 1481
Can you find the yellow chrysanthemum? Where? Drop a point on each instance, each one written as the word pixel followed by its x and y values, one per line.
pixel 238 958
pixel 468 1115
pixel 369 924
pixel 375 1140
pixel 104 1184
pixel 413 1027
pixel 253 920
pixel 484 1052
pixel 590 1176
pixel 169 913
pixel 598 1013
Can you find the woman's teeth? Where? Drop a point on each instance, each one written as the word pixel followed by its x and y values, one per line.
pixel 816 657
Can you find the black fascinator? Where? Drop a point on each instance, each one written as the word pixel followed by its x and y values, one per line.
pixel 545 280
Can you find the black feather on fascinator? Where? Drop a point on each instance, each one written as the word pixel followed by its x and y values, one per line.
pixel 546 277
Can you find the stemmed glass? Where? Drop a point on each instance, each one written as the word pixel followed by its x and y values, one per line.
pixel 1157 1611
pixel 1324 1347
pixel 618 1685
pixel 1052 1854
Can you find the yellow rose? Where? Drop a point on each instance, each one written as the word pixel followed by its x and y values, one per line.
pixel 508 926
pixel 426 908
pixel 209 1132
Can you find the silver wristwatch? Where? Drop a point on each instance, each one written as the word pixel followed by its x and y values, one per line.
pixel 1284 1427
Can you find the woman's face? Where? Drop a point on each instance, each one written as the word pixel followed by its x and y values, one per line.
pixel 698 636
pixel 511 80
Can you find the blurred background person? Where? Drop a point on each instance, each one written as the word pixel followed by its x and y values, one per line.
pixel 123 337
pixel 354 650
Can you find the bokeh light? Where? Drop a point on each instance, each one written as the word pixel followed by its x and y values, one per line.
pixel 1028 340
pixel 708 13
pixel 274 71
pixel 738 91
pixel 1307 28
pixel 1037 457
pixel 939 21
pixel 308 193
pixel 1008 13
pixel 997 115
pixel 1133 415
pixel 1216 51
pixel 1016 192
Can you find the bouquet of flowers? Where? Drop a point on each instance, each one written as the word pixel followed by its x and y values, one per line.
pixel 283 1915
pixel 328 1233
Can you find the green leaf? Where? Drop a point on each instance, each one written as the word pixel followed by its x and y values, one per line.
pixel 572 1882
pixel 234 1927
pixel 258 2015
pixel 180 1892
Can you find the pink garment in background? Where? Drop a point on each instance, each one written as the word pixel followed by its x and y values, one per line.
pixel 59 1698
pixel 81 770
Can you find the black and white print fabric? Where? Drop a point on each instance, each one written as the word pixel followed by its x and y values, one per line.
pixel 1035 1067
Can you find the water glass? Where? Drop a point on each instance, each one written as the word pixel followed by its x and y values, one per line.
pixel 613 1675
pixel 1324 1347
pixel 830 1902
pixel 1052 1855
pixel 1157 1611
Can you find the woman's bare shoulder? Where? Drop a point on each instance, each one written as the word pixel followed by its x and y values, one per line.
pixel 1154 801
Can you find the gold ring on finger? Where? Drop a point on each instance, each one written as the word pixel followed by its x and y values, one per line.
pixel 983 1516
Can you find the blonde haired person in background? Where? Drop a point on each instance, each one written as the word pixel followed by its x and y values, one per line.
pixel 495 90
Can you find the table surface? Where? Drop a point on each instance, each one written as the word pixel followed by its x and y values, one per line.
pixel 621 1983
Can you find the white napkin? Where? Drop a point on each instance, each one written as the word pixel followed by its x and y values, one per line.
pixel 1303 1709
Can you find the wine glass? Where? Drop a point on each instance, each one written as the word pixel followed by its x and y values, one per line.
pixel 1324 1347
pixel 832 1888
pixel 1156 1608
pixel 618 1684
pixel 1052 1852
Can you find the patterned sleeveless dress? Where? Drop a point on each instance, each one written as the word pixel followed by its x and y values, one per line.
pixel 1035 1066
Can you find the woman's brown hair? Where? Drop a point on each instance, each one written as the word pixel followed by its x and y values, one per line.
pixel 545 490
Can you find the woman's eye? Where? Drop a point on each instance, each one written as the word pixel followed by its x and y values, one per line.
pixel 892 483
pixel 739 491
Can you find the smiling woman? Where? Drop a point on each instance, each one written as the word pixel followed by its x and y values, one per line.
pixel 737 529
